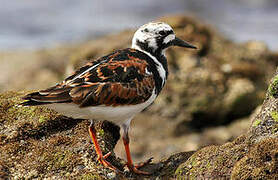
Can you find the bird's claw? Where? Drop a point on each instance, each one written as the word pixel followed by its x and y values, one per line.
pixel 102 160
pixel 135 168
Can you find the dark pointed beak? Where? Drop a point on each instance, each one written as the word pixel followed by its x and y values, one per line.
pixel 182 43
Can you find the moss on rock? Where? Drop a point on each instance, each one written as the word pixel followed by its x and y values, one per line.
pixel 273 87
pixel 212 162
pixel 268 116
pixel 251 156
pixel 257 122
pixel 37 142
pixel 274 115
pixel 235 160
pixel 260 163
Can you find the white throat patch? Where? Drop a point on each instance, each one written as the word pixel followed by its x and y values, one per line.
pixel 169 38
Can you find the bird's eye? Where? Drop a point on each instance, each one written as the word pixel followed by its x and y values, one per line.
pixel 146 30
pixel 162 33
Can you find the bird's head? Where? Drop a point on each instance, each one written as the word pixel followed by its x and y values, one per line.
pixel 155 37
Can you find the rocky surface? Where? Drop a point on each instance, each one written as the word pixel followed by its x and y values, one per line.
pixel 207 100
pixel 253 155
pixel 39 143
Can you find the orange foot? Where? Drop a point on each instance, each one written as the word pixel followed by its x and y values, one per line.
pixel 135 168
pixel 102 160
pixel 129 164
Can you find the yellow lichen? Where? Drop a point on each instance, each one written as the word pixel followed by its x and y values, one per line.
pixel 272 89
pixel 90 177
pixel 257 122
pixel 274 115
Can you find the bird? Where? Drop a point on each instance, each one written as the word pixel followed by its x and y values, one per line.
pixel 115 87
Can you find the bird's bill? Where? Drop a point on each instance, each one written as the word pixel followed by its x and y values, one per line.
pixel 182 43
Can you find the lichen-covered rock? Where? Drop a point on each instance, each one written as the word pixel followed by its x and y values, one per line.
pixel 253 155
pixel 39 143
pixel 19 69
pixel 213 162
pixel 36 142
pixel 235 160
pixel 265 124
pixel 260 163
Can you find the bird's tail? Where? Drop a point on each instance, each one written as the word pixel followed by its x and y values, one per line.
pixel 48 96
pixel 32 100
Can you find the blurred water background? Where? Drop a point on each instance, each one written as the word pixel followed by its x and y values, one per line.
pixel 32 24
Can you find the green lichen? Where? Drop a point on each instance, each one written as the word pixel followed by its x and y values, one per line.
pixel 257 122
pixel 178 171
pixel 273 87
pixel 212 162
pixel 23 111
pixel 274 115
pixel 62 159
pixel 190 169
pixel 101 132
pixel 9 103
pixel 209 165
pixel 259 162
pixel 42 119
pixel 57 160
pixel 193 161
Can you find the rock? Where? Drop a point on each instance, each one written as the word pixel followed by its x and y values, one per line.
pixel 235 160
pixel 213 162
pixel 38 143
pixel 239 90
pixel 265 124
pixel 257 47
pixel 19 70
pixel 253 155
pixel 259 163
pixel 229 132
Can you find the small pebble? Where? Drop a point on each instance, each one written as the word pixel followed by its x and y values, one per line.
pixel 111 175
pixel 80 167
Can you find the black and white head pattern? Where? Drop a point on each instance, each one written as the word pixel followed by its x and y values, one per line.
pixel 153 37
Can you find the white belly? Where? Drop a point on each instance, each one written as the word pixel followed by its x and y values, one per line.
pixel 118 114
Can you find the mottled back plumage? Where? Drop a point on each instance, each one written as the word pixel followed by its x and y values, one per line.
pixel 124 77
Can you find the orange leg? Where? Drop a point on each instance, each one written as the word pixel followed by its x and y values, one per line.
pixel 130 165
pixel 101 157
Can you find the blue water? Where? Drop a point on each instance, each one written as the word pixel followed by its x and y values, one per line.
pixel 35 24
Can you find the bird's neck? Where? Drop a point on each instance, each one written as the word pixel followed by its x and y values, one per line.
pixel 155 51
pixel 158 57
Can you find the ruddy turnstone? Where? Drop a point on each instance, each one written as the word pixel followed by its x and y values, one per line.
pixel 115 87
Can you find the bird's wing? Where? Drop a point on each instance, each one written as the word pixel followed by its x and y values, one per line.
pixel 117 79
